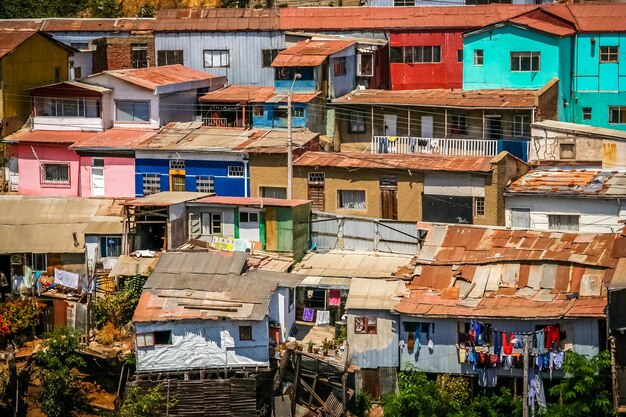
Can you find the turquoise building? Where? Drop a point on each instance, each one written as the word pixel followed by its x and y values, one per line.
pixel 528 51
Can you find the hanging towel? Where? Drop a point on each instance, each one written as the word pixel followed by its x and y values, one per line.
pixel 323 318
pixel 307 314
pixel 334 298
pixel 28 277
pixel 65 278
pixel 507 347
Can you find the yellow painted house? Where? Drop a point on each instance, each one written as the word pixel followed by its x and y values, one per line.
pixel 27 59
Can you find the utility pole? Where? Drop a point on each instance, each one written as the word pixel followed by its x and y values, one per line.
pixel 525 382
pixel 289 146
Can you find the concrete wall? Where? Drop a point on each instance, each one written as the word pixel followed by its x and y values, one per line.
pixel 198 344
pixel 597 215
pixel 374 350
pixel 119 175
pixel 30 159
pixel 545 145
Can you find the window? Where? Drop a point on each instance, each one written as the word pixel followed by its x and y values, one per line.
pixel 245 332
pixel 458 124
pixel 479 206
pixel 297 112
pixel 609 54
pixel 351 199
pixel 273 192
pixel 258 111
pixel 388 181
pixel 205 184
pixel 151 183
pixel 402 3
pixel 563 221
pixel 396 55
pixel 66 107
pixel 55 173
pixel 80 45
pixel 525 61
pixel 586 113
pixel 317 178
pixel 365 325
pixel 235 171
pixel 145 340
pixel 139 55
pixel 268 56
pixel 292 298
pixel 211 223
pixel 57 74
pixel 132 111
pixel 287 73
pixel 459 55
pixel 97 162
pixel 177 164
pixel 170 57
pixel 110 246
pixel 163 337
pixel 416 54
pixel 39 262
pixel 339 66
pixel 248 217
pixel 479 57
pixel 521 125
pixel 216 58
pixel 567 151
pixel 617 114
pixel 520 218
pixel 365 65
pixel 356 123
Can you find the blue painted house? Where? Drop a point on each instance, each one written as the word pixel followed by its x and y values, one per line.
pixel 577 43
pixel 190 157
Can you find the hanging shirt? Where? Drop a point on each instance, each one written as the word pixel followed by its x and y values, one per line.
pixel 553 336
pixel 541 342
pixel 507 346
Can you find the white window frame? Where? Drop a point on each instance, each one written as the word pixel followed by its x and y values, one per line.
pixel 587 113
pixel 167 57
pixel 356 124
pixel 207 223
pixel 264 188
pixel 151 180
pixel 479 206
pixel 458 124
pixel 236 171
pixel 352 204
pixel 205 184
pixel 145 340
pixel 517 56
pixel 359 65
pixel 564 226
pixel 479 57
pixel 218 58
pixel 103 248
pixel 520 127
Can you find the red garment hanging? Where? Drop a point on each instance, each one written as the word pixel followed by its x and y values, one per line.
pixel 553 335
pixel 507 346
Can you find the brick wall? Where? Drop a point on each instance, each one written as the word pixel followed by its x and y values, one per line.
pixel 116 52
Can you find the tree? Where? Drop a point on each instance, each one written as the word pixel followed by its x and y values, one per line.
pixel 61 393
pixel 417 397
pixel 118 307
pixel 586 389
pixel 105 9
pixel 145 403
pixel 22 9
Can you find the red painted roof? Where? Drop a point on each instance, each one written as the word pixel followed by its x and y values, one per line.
pixel 11 39
pixel 48 136
pixel 396 161
pixel 114 139
pixel 217 20
pixel 251 201
pixel 310 53
pixel 443 98
pixel 153 77
pixel 397 18
pixel 98 25
pixel 542 20
pixel 598 17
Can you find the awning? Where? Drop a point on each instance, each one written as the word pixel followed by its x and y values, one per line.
pixel 326 282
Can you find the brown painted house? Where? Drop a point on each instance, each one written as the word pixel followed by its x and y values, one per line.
pixel 404 187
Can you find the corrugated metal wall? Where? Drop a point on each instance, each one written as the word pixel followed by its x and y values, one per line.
pixel 245 52
pixel 330 231
pixel 376 382
pixel 82 37
pixel 374 350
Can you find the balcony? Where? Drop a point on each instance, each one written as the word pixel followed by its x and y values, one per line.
pixel 448 146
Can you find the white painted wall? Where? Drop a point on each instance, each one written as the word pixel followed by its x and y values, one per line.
pixel 92 248
pixel 249 230
pixel 202 344
pixel 286 313
pixel 465 185
pixel 67 123
pixel 597 215
pixel 83 60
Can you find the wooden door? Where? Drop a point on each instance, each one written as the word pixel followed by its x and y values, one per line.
pixel 178 182
pixel 316 195
pixel 389 203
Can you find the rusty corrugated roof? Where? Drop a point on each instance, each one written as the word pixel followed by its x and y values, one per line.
pixel 598 17
pixel 98 25
pixel 310 53
pixel 541 20
pixel 396 161
pixel 519 99
pixel 153 77
pixel 217 20
pixel 114 139
pixel 11 39
pixel 253 94
pixel 48 136
pixel 570 182
pixel 501 272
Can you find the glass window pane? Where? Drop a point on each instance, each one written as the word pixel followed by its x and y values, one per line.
pixel 525 63
pixel 141 111
pixel 436 54
pixel 91 108
pixel 124 111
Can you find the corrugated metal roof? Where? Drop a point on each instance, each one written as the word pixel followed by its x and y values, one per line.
pixel 46 224
pixel 396 161
pixel 71 85
pixel 457 98
pixel 511 273
pixel 11 39
pixel 275 141
pixel 114 139
pixel 153 77
pixel 104 228
pixel 310 53
pixel 192 137
pixel 253 94
pixel 218 263
pixel 217 20
pixel 598 17
pixel 570 182
pixel 127 265
pixel 48 136
pixel 98 25
pixel 375 294
pixel 165 198
pixel 351 264
pixel 250 201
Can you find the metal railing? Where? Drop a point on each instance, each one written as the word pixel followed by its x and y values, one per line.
pixel 214 121
pixel 437 146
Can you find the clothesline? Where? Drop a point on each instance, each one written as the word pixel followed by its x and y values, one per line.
pixel 534 332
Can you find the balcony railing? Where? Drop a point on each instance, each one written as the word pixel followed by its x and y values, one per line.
pixel 214 121
pixel 437 146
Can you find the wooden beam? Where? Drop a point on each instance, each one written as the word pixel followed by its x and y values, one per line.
pixel 317 397
pixel 296 378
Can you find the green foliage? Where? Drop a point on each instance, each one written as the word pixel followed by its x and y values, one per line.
pixel 145 403
pixel 61 393
pixel 21 9
pixel 362 404
pixel 586 390
pixel 20 315
pixel 417 397
pixel 494 405
pixel 117 308
pixel 105 8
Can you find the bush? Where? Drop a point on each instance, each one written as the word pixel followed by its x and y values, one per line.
pixel 20 315
pixel 145 403
pixel 362 404
pixel 117 308
pixel 61 393
pixel 108 335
